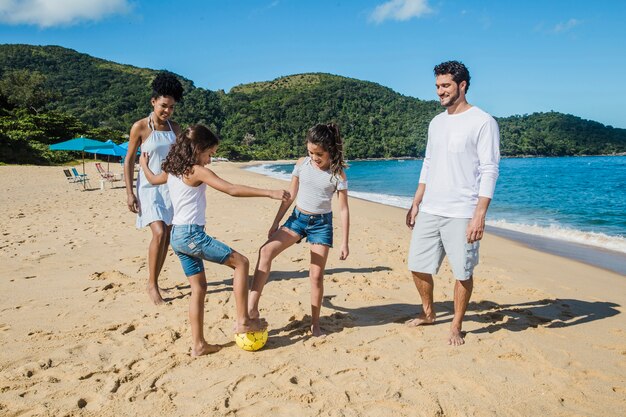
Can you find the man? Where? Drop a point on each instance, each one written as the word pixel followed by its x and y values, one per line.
pixel 455 188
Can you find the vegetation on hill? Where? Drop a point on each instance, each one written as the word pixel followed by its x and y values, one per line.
pixel 50 93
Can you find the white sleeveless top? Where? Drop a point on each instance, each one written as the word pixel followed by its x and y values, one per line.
pixel 189 202
pixel 316 188
pixel 154 200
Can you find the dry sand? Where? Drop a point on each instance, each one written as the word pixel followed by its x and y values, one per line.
pixel 78 335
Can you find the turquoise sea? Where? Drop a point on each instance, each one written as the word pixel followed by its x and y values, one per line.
pixel 581 200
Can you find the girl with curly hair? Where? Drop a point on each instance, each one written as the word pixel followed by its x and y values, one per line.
pixel 156 135
pixel 314 181
pixel 187 178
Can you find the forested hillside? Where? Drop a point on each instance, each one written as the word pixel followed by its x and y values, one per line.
pixel 50 93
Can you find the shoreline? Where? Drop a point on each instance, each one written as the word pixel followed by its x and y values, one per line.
pixel 604 258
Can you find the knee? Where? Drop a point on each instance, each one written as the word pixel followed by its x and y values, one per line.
pixel 159 234
pixel 266 254
pixel 240 261
pixel 199 288
pixel 317 280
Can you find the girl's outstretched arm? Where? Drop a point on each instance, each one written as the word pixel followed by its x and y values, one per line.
pixel 211 179
pixel 284 206
pixel 344 213
pixel 152 179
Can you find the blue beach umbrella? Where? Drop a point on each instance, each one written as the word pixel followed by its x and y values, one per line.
pixel 108 148
pixel 77 144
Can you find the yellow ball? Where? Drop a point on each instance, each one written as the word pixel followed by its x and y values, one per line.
pixel 251 341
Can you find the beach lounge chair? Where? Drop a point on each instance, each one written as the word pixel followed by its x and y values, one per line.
pixel 81 178
pixel 106 175
pixel 71 179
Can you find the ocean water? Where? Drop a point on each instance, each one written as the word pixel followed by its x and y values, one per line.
pixel 574 199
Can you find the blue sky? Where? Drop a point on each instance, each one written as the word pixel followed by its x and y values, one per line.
pixel 524 56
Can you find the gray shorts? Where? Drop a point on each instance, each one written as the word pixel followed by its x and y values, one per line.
pixel 435 237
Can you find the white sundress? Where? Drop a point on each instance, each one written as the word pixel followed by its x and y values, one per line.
pixel 154 200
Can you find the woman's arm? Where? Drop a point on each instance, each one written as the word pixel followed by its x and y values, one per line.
pixel 208 177
pixel 134 142
pixel 161 178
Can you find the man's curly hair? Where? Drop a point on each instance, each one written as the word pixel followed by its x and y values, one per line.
pixel 457 69
pixel 185 152
pixel 166 84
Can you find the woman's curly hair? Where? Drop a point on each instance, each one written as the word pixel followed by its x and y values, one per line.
pixel 327 136
pixel 185 152
pixel 166 84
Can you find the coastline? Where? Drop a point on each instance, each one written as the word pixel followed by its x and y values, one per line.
pixel 606 258
pixel 545 335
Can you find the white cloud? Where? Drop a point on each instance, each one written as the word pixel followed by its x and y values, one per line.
pixel 400 10
pixel 48 13
pixel 564 27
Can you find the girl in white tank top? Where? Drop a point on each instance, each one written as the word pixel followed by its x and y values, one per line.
pixel 187 178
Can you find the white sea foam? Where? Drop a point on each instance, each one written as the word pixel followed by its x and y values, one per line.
pixel 615 243
pixel 265 169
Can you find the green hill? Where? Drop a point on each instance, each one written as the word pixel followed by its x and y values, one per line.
pixel 80 94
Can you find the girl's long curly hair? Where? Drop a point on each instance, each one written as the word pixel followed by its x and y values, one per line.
pixel 327 136
pixel 189 145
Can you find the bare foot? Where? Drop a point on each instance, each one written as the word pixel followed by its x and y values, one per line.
pixel 457 337
pixel 205 349
pixel 317 331
pixel 252 325
pixel 155 295
pixel 421 320
pixel 254 314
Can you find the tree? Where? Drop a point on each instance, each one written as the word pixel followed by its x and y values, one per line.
pixel 25 89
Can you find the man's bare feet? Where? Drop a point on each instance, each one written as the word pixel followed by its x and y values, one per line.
pixel 204 349
pixel 421 320
pixel 251 325
pixel 457 337
pixel 155 295
pixel 317 331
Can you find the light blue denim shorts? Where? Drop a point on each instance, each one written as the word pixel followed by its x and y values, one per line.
pixel 435 237
pixel 193 245
pixel 317 228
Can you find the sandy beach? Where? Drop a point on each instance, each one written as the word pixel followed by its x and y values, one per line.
pixel 79 336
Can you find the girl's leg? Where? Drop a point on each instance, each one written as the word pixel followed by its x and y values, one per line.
pixel 196 316
pixel 319 255
pixel 155 259
pixel 279 241
pixel 241 265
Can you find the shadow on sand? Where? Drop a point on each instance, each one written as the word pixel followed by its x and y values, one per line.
pixel 547 313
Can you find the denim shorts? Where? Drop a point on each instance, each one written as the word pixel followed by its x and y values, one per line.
pixel 318 228
pixel 192 245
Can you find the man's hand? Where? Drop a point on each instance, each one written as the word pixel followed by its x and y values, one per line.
pixel 133 204
pixel 410 216
pixel 475 228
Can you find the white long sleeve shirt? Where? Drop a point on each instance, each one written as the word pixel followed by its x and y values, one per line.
pixel 461 162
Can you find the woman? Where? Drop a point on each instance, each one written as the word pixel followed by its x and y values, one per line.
pixel 155 134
